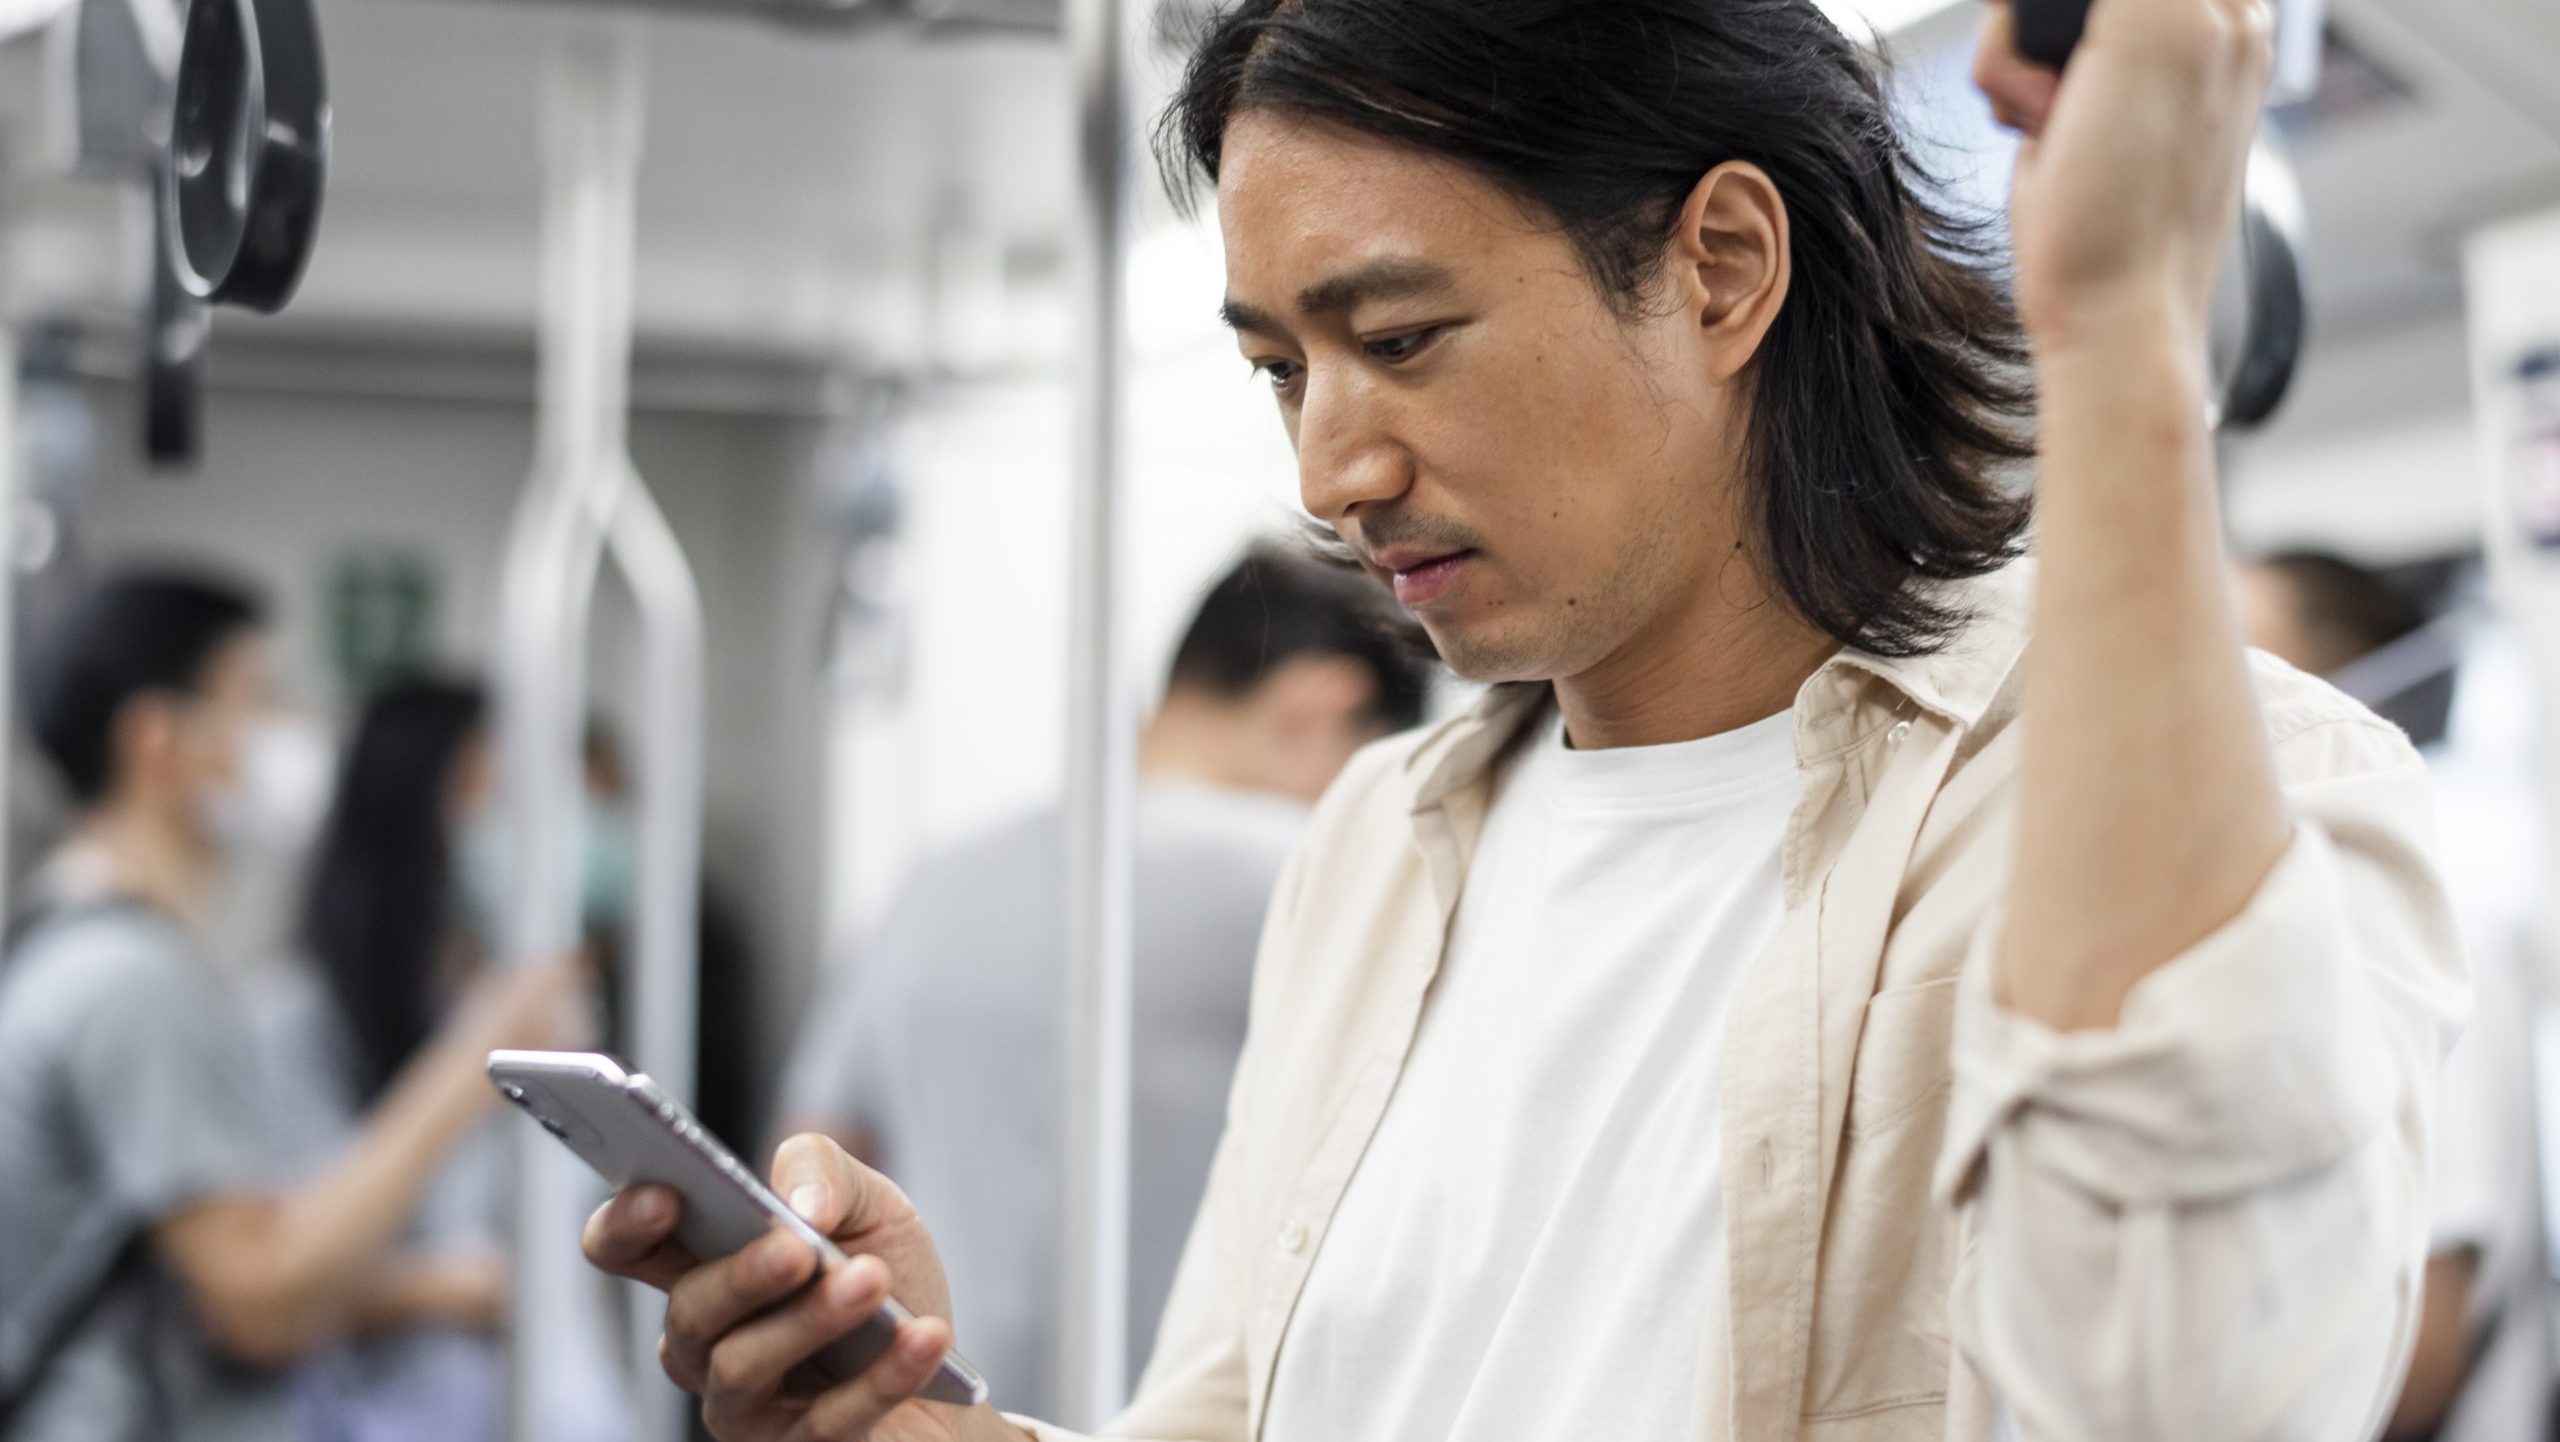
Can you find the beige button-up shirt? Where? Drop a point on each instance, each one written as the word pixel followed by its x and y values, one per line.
pixel 2205 1223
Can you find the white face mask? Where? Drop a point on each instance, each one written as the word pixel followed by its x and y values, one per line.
pixel 280 792
pixel 600 853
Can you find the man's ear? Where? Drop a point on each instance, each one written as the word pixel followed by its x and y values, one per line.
pixel 143 739
pixel 1728 263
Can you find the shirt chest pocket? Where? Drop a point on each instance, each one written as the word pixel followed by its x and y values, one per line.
pixel 1880 1318
pixel 1906 1055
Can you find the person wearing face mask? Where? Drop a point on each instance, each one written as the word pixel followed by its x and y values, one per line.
pixel 600 850
pixel 159 1277
pixel 392 937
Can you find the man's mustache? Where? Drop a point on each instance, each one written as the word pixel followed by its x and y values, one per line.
pixel 1371 535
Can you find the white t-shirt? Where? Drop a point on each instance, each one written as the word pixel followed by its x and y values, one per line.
pixel 1534 1239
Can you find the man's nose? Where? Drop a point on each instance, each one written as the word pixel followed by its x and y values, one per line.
pixel 1347 457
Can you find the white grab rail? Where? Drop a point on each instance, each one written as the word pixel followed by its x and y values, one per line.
pixel 585 504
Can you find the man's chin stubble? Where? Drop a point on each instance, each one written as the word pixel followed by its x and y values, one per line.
pixel 1496 660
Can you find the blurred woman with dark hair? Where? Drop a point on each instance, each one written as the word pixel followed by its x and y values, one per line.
pixel 390 942
pixel 379 919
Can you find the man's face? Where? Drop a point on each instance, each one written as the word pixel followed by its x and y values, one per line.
pixel 236 692
pixel 1543 481
pixel 204 760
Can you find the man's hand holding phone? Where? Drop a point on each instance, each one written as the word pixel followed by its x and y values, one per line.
pixel 738 1336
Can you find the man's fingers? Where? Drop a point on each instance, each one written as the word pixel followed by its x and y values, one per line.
pixel 748 1367
pixel 711 1300
pixel 2020 91
pixel 856 1408
pixel 633 1235
pixel 828 1188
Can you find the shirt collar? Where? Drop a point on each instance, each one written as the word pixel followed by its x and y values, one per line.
pixel 1957 682
pixel 1960 679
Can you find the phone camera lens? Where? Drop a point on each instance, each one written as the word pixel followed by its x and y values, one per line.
pixel 553 1127
pixel 511 1091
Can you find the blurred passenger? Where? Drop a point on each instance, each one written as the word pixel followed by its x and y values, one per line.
pixel 157 1283
pixel 390 946
pixel 2481 1371
pixel 944 1060
pixel 2326 614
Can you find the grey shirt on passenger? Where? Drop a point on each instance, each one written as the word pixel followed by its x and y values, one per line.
pixel 128 1089
pixel 949 1051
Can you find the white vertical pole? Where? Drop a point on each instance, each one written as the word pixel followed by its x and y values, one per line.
pixel 661 971
pixel 666 919
pixel 580 493
pixel 1093 1335
pixel 549 575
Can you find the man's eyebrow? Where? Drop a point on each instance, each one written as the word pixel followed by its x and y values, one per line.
pixel 1240 316
pixel 1377 280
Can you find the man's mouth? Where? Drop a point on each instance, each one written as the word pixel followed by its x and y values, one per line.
pixel 1422 579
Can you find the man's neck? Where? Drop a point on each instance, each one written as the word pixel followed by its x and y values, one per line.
pixel 1693 676
pixel 149 855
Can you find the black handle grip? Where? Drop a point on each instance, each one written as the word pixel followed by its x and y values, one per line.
pixel 2272 337
pixel 248 150
pixel 2278 315
pixel 2048 30
pixel 173 341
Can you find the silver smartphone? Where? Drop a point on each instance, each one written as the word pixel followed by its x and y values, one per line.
pixel 630 1132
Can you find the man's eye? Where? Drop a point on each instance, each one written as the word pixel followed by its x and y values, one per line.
pixel 1397 349
pixel 1281 374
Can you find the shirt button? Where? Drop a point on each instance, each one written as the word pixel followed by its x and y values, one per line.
pixel 1293 1238
pixel 1900 730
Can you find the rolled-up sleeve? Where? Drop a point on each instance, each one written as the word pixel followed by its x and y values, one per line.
pixel 2210 1221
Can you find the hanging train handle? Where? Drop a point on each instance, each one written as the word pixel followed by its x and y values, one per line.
pixel 2270 240
pixel 172 362
pixel 248 151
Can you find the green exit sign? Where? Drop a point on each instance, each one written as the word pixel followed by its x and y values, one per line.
pixel 381 609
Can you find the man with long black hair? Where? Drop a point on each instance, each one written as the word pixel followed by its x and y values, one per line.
pixel 1791 1008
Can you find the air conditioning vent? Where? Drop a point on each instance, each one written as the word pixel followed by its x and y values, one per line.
pixel 1047 15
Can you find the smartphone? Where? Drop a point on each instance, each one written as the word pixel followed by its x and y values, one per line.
pixel 630 1132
